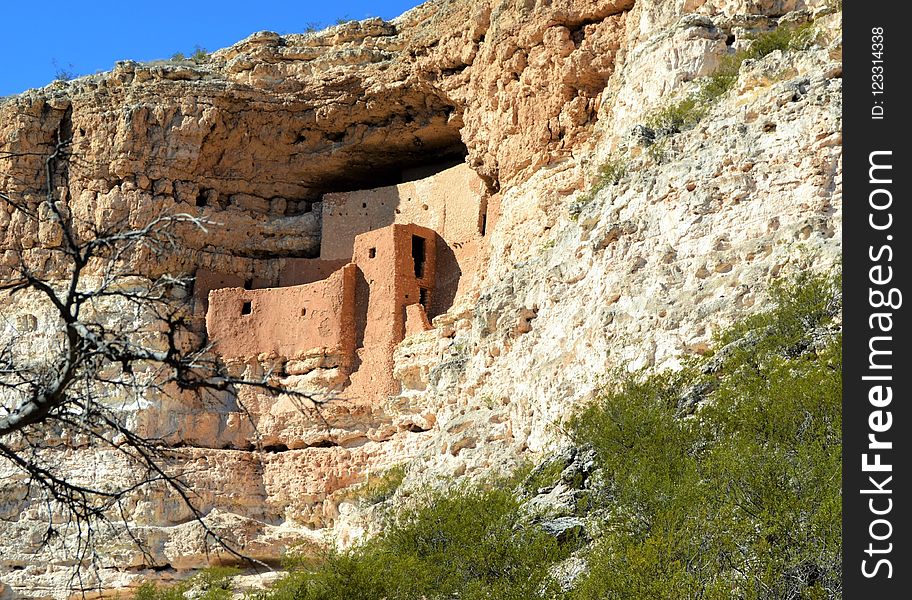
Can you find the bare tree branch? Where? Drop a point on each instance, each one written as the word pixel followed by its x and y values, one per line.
pixel 65 398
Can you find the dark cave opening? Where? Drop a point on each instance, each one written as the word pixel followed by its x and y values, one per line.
pixel 386 169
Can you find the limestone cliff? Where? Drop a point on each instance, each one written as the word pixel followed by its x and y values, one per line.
pixel 570 277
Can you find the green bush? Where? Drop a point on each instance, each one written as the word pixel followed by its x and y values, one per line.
pixel 687 112
pixel 200 55
pixel 544 476
pixel 464 544
pixel 612 170
pixel 677 116
pixel 659 150
pixel 213 583
pixel 723 79
pixel 151 591
pixel 609 173
pixel 743 498
pixel 380 487
pixel 782 38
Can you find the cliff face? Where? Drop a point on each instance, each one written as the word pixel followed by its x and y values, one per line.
pixel 568 284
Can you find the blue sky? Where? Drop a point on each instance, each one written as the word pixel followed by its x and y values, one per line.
pixel 41 37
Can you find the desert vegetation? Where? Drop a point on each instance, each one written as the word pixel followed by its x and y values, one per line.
pixel 723 478
pixel 687 111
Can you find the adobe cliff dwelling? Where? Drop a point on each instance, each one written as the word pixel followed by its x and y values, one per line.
pixel 390 259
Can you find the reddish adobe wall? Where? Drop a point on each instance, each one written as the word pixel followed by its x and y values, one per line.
pixel 308 270
pixel 206 281
pixel 287 321
pixel 452 202
pixel 281 273
pixel 360 311
pixel 416 319
pixel 391 281
pixel 449 202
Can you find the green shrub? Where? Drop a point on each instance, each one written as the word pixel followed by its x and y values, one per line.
pixel 381 487
pixel 213 583
pixel 802 305
pixel 200 55
pixel 544 476
pixel 723 79
pixel 612 170
pixel 151 591
pixel 677 116
pixel 659 150
pixel 782 38
pixel 608 173
pixel 687 112
pixel 464 544
pixel 742 499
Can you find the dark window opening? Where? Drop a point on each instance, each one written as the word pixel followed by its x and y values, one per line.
pixel 303 312
pixel 364 205
pixel 248 284
pixel 372 253
pixel 423 297
pixel 418 255
pixel 202 199
pixel 247 308
pixel 483 217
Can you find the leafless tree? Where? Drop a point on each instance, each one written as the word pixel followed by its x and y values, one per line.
pixel 101 360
